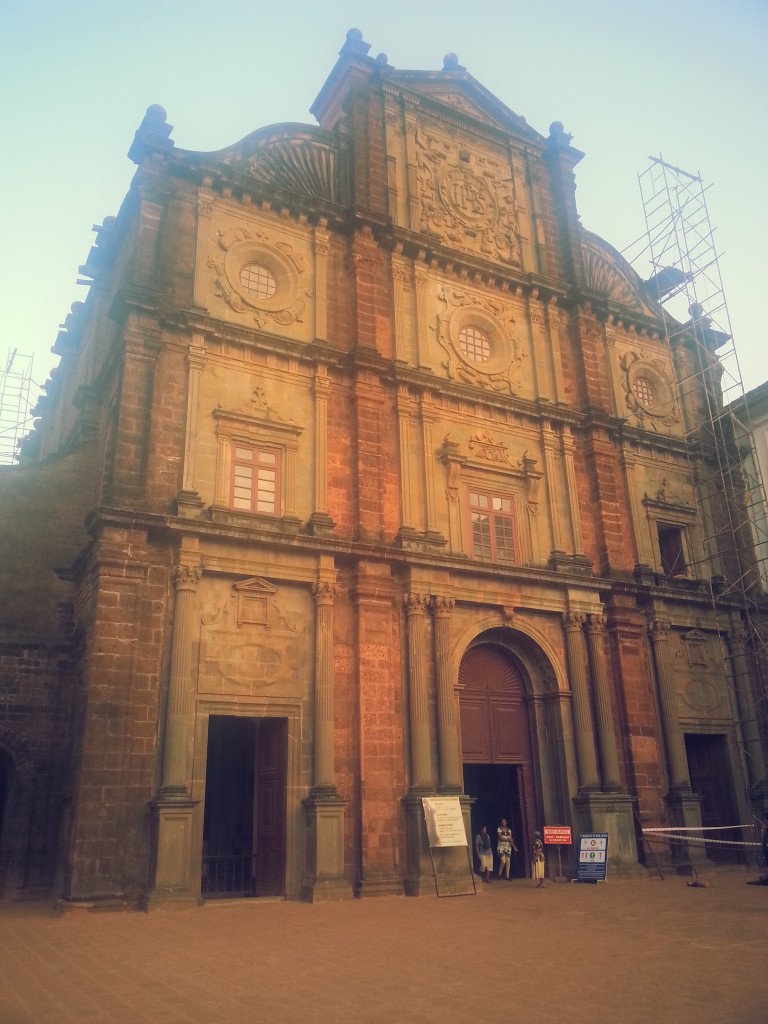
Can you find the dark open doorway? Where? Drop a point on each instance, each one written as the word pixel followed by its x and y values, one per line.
pixel 708 766
pixel 497 792
pixel 244 818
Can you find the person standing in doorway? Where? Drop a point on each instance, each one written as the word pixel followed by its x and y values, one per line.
pixel 484 852
pixel 537 860
pixel 505 844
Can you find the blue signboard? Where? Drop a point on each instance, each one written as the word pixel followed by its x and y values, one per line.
pixel 593 857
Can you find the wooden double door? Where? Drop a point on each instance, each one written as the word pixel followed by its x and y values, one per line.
pixel 708 766
pixel 496 748
pixel 244 818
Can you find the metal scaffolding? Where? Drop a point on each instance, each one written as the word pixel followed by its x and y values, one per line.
pixel 731 509
pixel 15 404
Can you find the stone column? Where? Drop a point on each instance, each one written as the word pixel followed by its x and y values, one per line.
pixel 582 715
pixel 677 764
pixel 451 780
pixel 170 874
pixel 323 759
pixel 421 278
pixel 573 497
pixel 324 808
pixel 742 679
pixel 421 774
pixel 320 522
pixel 549 440
pixel 606 734
pixel 322 248
pixel 180 685
pixel 188 501
pixel 405 408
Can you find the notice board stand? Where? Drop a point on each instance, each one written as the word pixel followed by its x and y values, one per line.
pixel 592 865
pixel 445 829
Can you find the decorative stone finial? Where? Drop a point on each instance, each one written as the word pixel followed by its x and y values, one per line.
pixel 153 135
pixel 354 44
pixel 558 134
pixel 451 63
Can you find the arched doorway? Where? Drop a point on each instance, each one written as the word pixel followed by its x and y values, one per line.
pixel 496 746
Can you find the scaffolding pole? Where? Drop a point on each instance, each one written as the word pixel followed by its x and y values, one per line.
pixel 15 404
pixel 730 503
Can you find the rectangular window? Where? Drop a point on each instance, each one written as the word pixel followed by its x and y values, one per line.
pixel 494 534
pixel 671 550
pixel 256 479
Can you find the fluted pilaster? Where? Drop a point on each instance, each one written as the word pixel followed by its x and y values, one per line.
pixel 582 715
pixel 753 748
pixel 451 780
pixel 674 743
pixel 606 734
pixel 416 605
pixel 324 593
pixel 180 684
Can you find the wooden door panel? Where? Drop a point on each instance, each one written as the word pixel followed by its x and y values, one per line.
pixel 270 808
pixel 475 730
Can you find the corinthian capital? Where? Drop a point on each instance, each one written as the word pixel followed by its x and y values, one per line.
pixel 416 604
pixel 659 629
pixel 186 577
pixel 573 621
pixel 442 606
pixel 596 623
pixel 325 592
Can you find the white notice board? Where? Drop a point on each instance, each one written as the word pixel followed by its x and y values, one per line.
pixel 445 823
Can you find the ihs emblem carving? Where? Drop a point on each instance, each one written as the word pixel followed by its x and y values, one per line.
pixel 467 200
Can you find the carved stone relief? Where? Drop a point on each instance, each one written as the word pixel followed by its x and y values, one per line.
pixel 250 645
pixel 501 365
pixel 286 272
pixel 700 677
pixel 649 393
pixel 467 198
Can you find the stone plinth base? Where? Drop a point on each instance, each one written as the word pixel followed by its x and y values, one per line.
pixel 611 813
pixel 374 883
pixel 170 875
pixel 448 865
pixel 324 876
pixel 685 810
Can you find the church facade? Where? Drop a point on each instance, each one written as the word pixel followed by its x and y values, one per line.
pixel 362 479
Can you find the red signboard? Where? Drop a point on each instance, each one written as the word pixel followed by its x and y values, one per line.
pixel 558 834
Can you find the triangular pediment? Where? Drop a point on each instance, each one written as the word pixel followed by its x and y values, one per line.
pixel 460 92
pixel 255 587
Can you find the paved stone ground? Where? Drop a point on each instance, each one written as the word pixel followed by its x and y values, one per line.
pixel 626 952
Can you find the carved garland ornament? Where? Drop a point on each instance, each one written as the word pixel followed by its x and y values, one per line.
pixel 501 368
pixel 283 301
pixel 648 392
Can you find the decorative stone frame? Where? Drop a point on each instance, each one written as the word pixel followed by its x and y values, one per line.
pixel 633 366
pixel 671 514
pixel 256 426
pixel 254 251
pixel 484 463
pixel 501 347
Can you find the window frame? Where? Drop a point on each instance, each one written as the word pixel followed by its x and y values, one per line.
pixel 496 518
pixel 257 465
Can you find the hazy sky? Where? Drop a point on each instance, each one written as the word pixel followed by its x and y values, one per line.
pixel 684 79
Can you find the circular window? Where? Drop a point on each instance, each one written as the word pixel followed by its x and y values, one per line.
pixel 258 280
pixel 474 344
pixel 645 392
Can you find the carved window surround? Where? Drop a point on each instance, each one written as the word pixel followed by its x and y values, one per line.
pixel 257 424
pixel 484 463
pixel 663 512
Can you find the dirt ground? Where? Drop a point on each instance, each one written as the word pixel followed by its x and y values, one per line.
pixel 624 952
